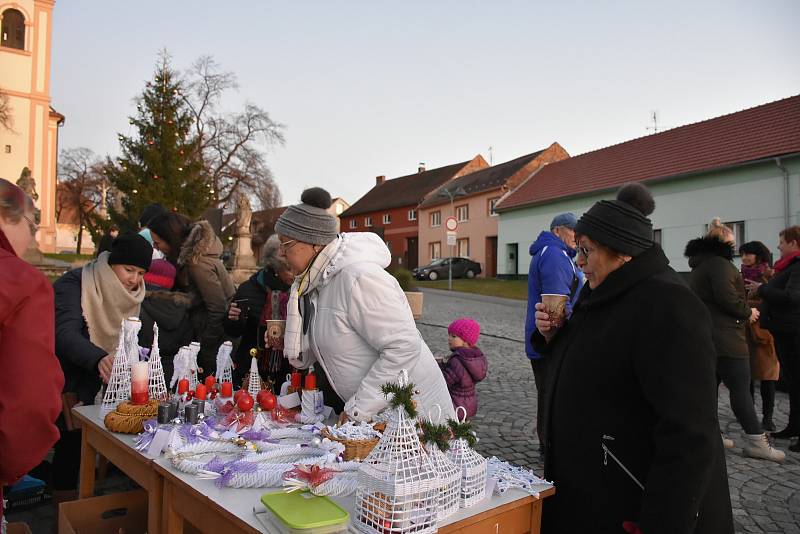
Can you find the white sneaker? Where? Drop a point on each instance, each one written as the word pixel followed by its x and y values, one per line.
pixel 757 446
pixel 726 442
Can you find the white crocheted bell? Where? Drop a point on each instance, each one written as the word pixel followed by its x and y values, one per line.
pixel 397 482
pixel 472 466
pixel 449 478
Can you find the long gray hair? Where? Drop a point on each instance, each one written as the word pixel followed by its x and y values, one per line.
pixel 271 257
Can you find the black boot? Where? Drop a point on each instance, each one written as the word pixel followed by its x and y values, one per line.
pixel 786 433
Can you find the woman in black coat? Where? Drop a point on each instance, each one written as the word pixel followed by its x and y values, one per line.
pixel 780 314
pixel 718 283
pixel 633 436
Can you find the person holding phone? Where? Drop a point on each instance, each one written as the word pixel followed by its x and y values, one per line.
pixel 260 298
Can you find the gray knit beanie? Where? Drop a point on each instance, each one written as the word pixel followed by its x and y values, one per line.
pixel 310 221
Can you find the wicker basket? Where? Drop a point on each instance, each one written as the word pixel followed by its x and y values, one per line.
pixel 354 449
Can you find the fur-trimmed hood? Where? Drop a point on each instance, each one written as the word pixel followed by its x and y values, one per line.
pixel 201 241
pixel 700 249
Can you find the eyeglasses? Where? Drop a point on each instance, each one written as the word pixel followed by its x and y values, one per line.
pixel 32 226
pixel 283 248
pixel 585 251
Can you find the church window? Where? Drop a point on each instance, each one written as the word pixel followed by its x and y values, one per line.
pixel 12 34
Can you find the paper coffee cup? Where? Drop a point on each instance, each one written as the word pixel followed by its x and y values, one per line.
pixel 556 307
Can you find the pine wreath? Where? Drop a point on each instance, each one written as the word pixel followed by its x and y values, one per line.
pixel 463 431
pixel 401 397
pixel 439 435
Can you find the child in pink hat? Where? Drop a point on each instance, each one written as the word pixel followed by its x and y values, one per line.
pixel 466 365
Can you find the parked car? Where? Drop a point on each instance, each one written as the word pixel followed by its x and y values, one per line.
pixel 462 268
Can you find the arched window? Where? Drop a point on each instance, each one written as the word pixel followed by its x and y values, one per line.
pixel 12 34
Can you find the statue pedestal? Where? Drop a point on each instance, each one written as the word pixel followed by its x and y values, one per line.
pixel 244 262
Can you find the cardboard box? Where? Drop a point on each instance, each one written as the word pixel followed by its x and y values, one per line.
pixel 124 513
pixel 18 528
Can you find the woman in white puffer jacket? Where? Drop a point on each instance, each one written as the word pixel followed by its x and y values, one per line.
pixel 349 315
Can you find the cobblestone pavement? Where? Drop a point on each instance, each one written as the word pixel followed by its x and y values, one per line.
pixel 765 495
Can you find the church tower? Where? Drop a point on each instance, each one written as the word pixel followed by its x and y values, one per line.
pixel 30 136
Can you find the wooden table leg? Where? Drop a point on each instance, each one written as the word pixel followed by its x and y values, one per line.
pixel 536 516
pixel 88 461
pixel 172 519
pixel 155 502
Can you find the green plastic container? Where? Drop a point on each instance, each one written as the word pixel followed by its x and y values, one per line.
pixel 301 512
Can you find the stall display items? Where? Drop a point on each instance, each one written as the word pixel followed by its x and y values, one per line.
pixel 358 438
pixel 436 438
pixel 299 513
pixel 129 418
pixel 252 381
pixel 119 384
pixel 312 403
pixel 273 336
pixel 398 483
pixel 184 369
pixel 157 386
pixel 224 371
pixel 471 464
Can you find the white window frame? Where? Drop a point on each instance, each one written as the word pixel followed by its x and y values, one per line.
pixel 462 213
pixel 459 242
pixel 432 250
pixel 493 207
pixel 368 221
pixel 436 219
pixel 353 224
pixel 387 218
pixel 412 215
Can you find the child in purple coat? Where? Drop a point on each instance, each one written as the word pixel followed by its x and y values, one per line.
pixel 466 366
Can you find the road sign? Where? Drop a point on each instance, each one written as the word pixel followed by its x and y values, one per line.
pixel 451 239
pixel 451 224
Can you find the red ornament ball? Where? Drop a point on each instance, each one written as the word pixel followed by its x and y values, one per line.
pixel 238 394
pixel 245 403
pixel 267 400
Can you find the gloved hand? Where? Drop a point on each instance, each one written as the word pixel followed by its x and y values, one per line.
pixel 631 528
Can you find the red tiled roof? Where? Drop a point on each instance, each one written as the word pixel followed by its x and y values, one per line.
pixel 764 131
pixel 482 180
pixel 404 191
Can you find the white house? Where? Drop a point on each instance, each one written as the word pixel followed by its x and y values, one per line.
pixel 743 167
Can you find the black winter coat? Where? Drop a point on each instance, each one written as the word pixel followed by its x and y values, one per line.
pixel 254 294
pixel 719 284
pixel 170 310
pixel 633 376
pixel 78 355
pixel 780 300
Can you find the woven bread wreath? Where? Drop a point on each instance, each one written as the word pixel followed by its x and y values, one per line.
pixel 129 418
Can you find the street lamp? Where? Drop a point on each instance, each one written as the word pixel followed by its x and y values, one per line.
pixel 451 194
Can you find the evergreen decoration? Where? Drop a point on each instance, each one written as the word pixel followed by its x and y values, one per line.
pixel 438 435
pixel 463 430
pixel 401 397
pixel 161 160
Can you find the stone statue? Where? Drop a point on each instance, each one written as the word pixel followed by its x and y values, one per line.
pixel 28 184
pixel 243 216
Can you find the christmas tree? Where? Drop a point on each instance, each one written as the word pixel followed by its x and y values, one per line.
pixel 160 161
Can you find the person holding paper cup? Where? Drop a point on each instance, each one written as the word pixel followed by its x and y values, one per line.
pixel 632 429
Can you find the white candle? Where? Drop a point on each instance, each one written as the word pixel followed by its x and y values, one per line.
pixel 139 371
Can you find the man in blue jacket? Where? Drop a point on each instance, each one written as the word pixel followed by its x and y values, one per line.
pixel 552 271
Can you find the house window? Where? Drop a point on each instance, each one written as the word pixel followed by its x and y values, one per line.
pixel 12 34
pixel 436 219
pixel 492 206
pixel 368 222
pixel 352 224
pixel 339 209
pixel 435 250
pixel 412 215
pixel 463 248
pixel 738 233
pixel 387 218
pixel 462 213
pixel 657 236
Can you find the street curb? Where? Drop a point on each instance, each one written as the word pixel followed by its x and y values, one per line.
pixel 473 296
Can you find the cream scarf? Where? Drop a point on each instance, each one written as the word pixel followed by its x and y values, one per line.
pixel 105 302
pixel 295 344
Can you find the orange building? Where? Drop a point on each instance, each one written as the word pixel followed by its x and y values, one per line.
pixel 473 205
pixel 390 208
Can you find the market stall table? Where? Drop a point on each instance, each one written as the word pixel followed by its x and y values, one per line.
pixel 119 450
pixel 201 503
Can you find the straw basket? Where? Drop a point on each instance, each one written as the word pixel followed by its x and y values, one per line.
pixel 354 449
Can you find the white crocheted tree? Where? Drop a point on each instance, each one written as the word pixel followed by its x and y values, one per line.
pixel 194 350
pixel 119 384
pixel 157 387
pixel 397 482
pixel 471 464
pixel 254 383
pixel 224 372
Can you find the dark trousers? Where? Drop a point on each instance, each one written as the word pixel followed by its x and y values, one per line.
pixel 67 458
pixel 540 377
pixel 735 374
pixel 787 346
pixel 767 388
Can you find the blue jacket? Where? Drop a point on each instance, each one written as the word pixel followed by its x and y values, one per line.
pixel 551 271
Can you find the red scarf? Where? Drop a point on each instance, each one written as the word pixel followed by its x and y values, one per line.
pixel 785 261
pixel 5 244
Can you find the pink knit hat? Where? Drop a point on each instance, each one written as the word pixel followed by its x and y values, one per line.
pixel 465 328
pixel 162 274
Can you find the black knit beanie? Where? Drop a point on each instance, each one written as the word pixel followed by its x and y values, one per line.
pixel 621 224
pixel 131 249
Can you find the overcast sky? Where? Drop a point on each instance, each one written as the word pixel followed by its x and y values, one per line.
pixel 369 88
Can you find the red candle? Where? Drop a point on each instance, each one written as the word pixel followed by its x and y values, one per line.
pixel 227 389
pixel 200 392
pixel 183 386
pixel 296 377
pixel 210 381
pixel 311 381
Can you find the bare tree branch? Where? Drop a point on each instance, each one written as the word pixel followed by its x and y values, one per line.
pixel 6 112
pixel 81 189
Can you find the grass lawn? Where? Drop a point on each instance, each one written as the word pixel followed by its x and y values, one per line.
pixel 69 258
pixel 510 289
